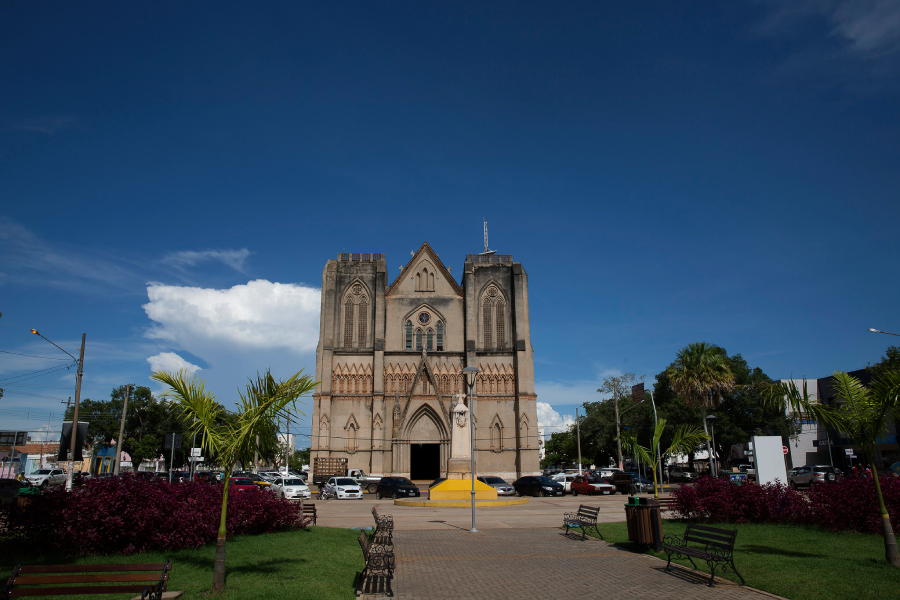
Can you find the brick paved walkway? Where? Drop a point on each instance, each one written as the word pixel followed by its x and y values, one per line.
pixel 519 564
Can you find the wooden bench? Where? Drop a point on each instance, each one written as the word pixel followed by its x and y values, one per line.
pixel 384 529
pixel 585 517
pixel 308 510
pixel 666 504
pixel 379 570
pixel 147 579
pixel 717 548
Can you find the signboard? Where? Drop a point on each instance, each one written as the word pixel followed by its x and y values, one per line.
pixel 169 445
pixel 196 451
pixel 739 478
pixel 820 443
pixel 637 392
pixel 195 458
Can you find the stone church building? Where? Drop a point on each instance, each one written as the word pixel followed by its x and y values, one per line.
pixel 390 357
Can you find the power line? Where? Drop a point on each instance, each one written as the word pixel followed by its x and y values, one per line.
pixel 33 355
pixel 39 373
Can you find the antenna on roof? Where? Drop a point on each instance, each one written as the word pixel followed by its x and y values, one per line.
pixel 486 250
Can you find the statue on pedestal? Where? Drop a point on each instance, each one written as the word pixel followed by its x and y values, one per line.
pixel 460 463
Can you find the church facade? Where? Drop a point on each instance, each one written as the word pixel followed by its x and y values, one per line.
pixel 390 357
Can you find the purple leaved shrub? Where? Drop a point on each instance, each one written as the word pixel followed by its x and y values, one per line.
pixel 847 505
pixel 128 515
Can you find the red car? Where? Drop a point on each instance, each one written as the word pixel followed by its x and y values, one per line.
pixel 591 484
pixel 239 484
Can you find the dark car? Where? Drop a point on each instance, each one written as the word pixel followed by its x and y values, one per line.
pixel 436 481
pixel 681 475
pixel 631 483
pixel 396 487
pixel 538 485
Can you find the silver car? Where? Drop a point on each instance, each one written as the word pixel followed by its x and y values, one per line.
pixel 499 484
pixel 814 474
pixel 46 477
pixel 290 488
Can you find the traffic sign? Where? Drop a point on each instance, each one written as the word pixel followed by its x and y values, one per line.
pixel 784 449
pixel 196 451
pixel 195 458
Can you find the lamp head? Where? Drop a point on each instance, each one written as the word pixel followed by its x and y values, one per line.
pixel 710 417
pixel 872 329
pixel 35 332
pixel 471 373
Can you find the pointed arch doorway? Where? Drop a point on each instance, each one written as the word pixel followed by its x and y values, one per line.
pixel 428 444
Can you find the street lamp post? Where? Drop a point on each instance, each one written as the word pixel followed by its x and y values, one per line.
pixel 873 330
pixel 78 374
pixel 471 374
pixel 712 460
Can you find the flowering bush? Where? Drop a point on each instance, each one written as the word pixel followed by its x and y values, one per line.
pixel 850 504
pixel 127 515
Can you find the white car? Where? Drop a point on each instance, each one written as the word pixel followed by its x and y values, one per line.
pixel 47 477
pixel 343 487
pixel 565 479
pixel 290 488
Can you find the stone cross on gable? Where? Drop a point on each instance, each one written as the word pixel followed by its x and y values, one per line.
pixel 460 398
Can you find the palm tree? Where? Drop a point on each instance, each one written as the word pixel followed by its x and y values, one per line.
pixel 700 375
pixel 232 435
pixel 684 441
pixel 863 416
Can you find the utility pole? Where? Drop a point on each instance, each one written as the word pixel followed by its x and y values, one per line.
pixel 618 427
pixel 71 470
pixel 256 456
pixel 578 434
pixel 122 430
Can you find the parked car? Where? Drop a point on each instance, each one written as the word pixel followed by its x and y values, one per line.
pixel 538 485
pixel 44 478
pixel 436 481
pixel 291 488
pixel 627 483
pixel 343 487
pixel 591 484
pixel 682 475
pixel 609 473
pixel 814 474
pixel 499 484
pixel 396 487
pixel 565 479
pixel 262 483
pixel 242 484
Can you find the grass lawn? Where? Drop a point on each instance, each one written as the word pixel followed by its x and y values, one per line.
pixel 795 562
pixel 319 563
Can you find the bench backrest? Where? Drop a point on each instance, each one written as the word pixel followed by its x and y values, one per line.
pixel 710 536
pixel 589 512
pixel 375 513
pixel 138 576
pixel 309 508
pixel 364 544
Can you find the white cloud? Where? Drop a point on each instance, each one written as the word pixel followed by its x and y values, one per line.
pixel 189 258
pixel 171 362
pixel 870 28
pixel 551 420
pixel 258 315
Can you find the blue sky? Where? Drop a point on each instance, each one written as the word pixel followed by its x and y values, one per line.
pixel 173 178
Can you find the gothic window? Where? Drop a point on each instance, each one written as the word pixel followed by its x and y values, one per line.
pixel 418 282
pixel 409 335
pixel 431 282
pixel 351 438
pixel 418 340
pixel 524 434
pixel 362 318
pixel 348 323
pixel 496 439
pixel 440 336
pixel 500 316
pixel 429 339
pixel 486 307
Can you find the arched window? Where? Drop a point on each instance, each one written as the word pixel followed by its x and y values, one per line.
pixel 351 438
pixel 496 437
pixel 362 317
pixel 486 307
pixel 348 323
pixel 418 340
pixel 431 282
pixel 440 336
pixel 409 335
pixel 418 282
pixel 429 339
pixel 500 316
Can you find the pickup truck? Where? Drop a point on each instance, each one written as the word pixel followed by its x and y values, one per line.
pixel 44 478
pixel 326 468
pixel 367 482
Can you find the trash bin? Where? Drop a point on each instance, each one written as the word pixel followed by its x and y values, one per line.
pixel 644 521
